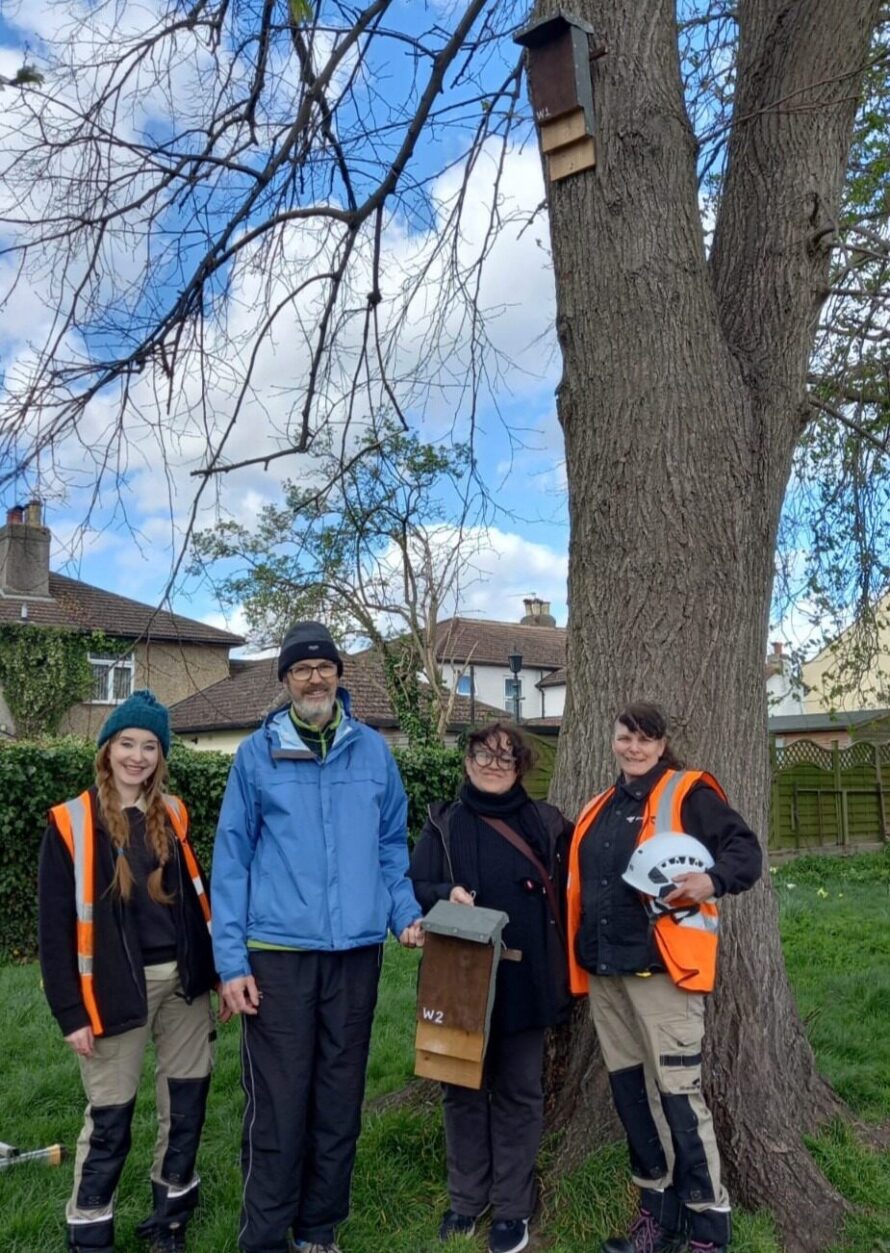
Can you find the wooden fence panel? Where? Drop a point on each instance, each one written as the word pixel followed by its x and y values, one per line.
pixel 828 797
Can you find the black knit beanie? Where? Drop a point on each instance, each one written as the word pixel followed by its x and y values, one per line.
pixel 307 641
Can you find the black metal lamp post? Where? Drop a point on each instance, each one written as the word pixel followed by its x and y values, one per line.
pixel 514 661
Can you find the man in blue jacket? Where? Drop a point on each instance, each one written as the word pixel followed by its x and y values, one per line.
pixel 309 871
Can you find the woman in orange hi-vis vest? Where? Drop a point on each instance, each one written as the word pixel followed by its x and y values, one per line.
pixel 126 957
pixel 647 960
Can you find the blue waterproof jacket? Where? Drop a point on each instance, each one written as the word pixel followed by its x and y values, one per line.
pixel 310 854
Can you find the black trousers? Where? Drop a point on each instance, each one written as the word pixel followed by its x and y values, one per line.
pixel 303 1062
pixel 492 1135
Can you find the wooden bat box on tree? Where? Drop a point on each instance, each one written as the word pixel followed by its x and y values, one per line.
pixel 455 992
pixel 562 91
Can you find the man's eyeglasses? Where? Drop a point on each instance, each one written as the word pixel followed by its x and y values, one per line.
pixel 503 761
pixel 303 673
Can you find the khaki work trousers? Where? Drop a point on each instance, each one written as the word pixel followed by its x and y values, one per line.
pixel 651 1032
pixel 182 1035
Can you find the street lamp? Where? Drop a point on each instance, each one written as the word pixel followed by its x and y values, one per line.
pixel 514 661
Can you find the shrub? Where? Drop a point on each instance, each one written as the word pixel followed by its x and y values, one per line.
pixel 36 776
pixel 429 773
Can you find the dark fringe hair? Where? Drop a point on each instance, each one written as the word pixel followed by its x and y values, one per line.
pixel 650 720
pixel 483 737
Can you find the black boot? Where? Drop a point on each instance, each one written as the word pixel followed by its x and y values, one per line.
pixel 91 1237
pixel 168 1240
pixel 709 1231
pixel 645 1236
pixel 165 1226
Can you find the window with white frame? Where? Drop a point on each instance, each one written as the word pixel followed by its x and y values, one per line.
pixel 112 679
pixel 512 692
pixel 465 685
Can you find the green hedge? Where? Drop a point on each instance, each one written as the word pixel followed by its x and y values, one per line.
pixel 33 777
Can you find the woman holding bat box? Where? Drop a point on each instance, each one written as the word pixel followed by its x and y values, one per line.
pixel 497 848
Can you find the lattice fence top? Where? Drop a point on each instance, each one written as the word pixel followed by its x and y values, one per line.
pixel 861 754
pixel 808 753
pixel 803 753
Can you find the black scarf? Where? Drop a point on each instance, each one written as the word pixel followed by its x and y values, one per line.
pixel 515 807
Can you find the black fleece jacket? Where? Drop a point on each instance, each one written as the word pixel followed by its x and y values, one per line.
pixel 457 847
pixel 118 971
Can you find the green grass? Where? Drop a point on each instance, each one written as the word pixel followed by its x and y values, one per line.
pixel 837 944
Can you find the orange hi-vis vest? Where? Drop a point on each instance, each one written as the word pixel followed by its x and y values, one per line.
pixel 687 942
pixel 76 824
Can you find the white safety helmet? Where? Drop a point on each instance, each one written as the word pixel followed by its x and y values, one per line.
pixel 656 861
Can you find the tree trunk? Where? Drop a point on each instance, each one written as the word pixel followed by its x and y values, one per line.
pixel 682 398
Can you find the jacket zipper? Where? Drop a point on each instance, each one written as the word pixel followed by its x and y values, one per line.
pixel 445 849
pixel 140 988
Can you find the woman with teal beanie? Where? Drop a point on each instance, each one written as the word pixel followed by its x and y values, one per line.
pixel 126 958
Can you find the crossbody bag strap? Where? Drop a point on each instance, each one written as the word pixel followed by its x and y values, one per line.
pixel 521 846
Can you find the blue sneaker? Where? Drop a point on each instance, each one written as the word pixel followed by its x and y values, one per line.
pixel 508 1235
pixel 454 1224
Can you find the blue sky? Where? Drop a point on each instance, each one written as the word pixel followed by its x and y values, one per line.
pixel 131 541
pixel 134 536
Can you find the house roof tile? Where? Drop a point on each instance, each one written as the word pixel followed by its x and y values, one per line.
pixel 482 641
pixel 252 690
pixel 81 607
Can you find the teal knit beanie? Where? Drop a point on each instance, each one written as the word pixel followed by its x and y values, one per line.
pixel 142 710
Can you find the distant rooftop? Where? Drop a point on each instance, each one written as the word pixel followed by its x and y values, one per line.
pixel 485 642
pixel 82 607
pixel 243 700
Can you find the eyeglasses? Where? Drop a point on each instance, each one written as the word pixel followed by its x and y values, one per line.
pixel 303 673
pixel 503 761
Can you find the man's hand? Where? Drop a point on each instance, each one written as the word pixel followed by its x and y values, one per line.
pixel 412 937
pixel 239 996
pixel 81 1041
pixel 460 896
pixel 691 889
pixel 223 1013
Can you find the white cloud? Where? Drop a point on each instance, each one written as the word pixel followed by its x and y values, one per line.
pixel 428 355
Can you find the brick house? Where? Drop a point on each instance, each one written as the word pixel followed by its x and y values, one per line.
pixel 174 655
pixel 474 653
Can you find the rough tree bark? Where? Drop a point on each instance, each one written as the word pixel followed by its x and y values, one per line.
pixel 681 401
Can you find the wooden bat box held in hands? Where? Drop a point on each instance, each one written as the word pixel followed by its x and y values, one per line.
pixel 561 90
pixel 455 992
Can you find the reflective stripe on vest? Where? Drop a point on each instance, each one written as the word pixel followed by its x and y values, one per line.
pixel 579 980
pixel 179 821
pixel 687 940
pixel 687 943
pixel 75 823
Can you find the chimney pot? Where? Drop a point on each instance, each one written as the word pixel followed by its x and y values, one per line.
pixel 537 612
pixel 777 648
pixel 15 515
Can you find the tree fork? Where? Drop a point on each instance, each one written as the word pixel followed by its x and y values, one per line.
pixel 684 377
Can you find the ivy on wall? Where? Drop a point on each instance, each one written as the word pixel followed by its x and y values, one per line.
pixel 43 672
